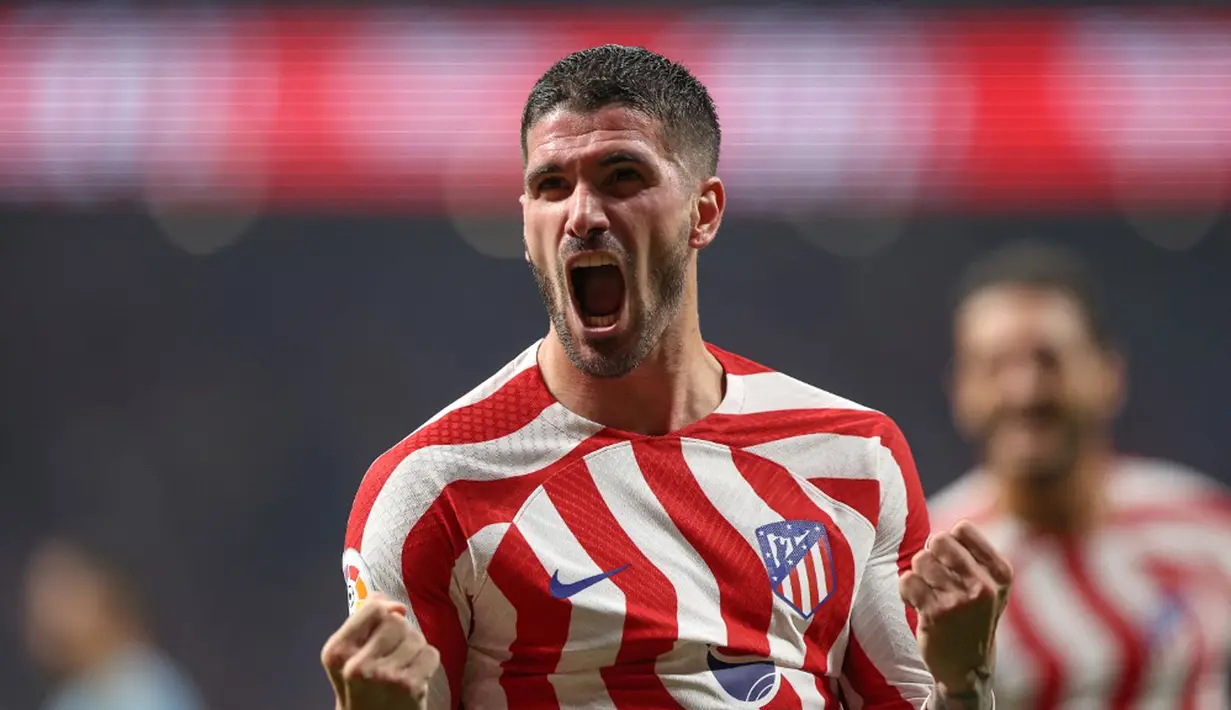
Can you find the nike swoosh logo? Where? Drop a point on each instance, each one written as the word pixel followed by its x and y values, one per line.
pixel 560 590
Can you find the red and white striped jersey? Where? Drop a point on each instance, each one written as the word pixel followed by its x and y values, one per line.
pixel 751 557
pixel 1136 614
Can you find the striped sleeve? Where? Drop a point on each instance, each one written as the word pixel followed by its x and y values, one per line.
pixel 400 543
pixel 411 517
pixel 883 669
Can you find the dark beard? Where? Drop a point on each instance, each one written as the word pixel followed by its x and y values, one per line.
pixel 616 358
pixel 1042 468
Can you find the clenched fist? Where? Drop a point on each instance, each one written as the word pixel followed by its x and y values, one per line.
pixel 959 585
pixel 377 660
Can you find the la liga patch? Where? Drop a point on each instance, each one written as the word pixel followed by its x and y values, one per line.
pixel 358 580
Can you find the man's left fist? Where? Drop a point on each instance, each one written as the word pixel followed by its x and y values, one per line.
pixel 959 585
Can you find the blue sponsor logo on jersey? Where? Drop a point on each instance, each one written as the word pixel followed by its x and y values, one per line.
pixel 746 681
pixel 799 561
pixel 560 590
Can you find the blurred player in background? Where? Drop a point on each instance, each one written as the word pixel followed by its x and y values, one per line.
pixel 86 627
pixel 625 516
pixel 1122 595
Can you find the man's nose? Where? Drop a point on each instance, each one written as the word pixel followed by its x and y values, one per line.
pixel 587 216
pixel 1025 383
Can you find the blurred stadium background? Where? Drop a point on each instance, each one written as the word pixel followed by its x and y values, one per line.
pixel 246 248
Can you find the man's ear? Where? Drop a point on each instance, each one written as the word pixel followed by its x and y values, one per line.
pixel 707 213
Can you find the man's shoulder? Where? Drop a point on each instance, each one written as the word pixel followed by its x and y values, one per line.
pixel 1170 507
pixel 138 678
pixel 1146 481
pixel 150 678
pixel 500 430
pixel 777 398
pixel 766 389
pixel 498 402
pixel 514 379
pixel 463 437
pixel 816 432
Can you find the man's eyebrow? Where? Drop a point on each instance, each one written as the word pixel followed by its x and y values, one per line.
pixel 533 176
pixel 621 156
pixel 614 158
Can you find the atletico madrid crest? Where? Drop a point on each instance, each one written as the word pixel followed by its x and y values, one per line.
pixel 799 560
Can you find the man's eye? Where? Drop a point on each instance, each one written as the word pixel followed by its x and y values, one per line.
pixel 625 174
pixel 551 183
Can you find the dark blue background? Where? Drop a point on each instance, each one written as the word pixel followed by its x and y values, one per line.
pixel 216 413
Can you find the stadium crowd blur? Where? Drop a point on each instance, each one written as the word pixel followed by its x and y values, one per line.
pixel 205 350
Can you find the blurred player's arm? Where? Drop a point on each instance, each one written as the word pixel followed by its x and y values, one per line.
pixel 399 545
pixel 884 667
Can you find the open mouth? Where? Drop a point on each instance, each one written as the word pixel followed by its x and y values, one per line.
pixel 598 289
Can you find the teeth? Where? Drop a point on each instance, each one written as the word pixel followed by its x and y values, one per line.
pixel 594 259
pixel 600 321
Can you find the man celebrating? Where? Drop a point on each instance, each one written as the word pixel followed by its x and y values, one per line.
pixel 625 516
pixel 1123 568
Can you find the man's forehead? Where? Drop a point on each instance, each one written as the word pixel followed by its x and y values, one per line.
pixel 1007 312
pixel 565 134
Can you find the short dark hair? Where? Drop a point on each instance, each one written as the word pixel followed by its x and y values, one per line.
pixel 634 77
pixel 1042 266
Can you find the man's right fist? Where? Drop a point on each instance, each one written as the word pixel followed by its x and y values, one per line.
pixel 377 660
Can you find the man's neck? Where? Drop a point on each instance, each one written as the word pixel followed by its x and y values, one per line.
pixel 679 383
pixel 1069 506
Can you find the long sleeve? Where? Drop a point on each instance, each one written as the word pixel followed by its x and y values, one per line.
pixel 883 669
pixel 401 541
